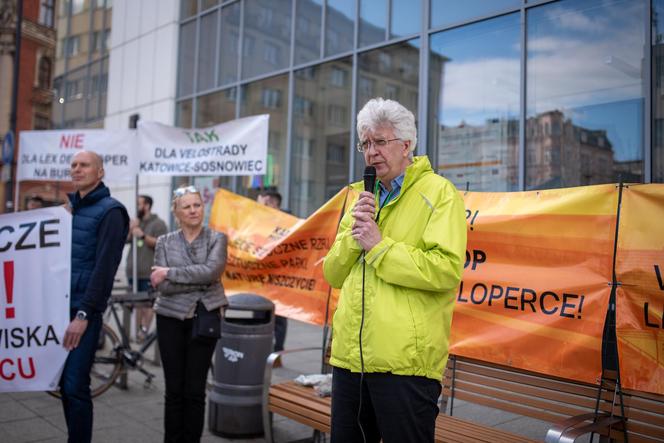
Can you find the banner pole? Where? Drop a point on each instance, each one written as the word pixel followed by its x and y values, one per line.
pixel 17 204
pixel 133 124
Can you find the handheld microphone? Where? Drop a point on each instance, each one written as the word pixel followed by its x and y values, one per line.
pixel 369 178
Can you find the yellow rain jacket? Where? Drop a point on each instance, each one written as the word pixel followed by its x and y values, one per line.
pixel 411 279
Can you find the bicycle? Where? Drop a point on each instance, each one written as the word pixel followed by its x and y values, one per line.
pixel 114 355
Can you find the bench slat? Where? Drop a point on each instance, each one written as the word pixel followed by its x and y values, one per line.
pixel 574 398
pixel 463 430
pixel 520 402
pixel 520 376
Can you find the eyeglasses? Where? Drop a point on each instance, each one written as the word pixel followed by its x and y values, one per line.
pixel 179 192
pixel 380 143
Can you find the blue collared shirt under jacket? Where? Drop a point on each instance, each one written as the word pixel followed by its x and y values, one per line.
pixel 396 190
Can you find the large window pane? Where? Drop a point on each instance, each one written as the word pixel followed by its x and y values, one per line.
pixel 267 27
pixel 207 51
pixel 307 30
pixel 97 82
pixel 585 93
pixel 205 4
pixel 658 92
pixel 211 110
pixel 446 12
pixel 216 108
pixel 188 8
pixel 268 96
pixel 391 72
pixel 229 45
pixel 406 17
pixel 340 26
pixel 474 104
pixel 321 122
pixel 373 19
pixel 186 59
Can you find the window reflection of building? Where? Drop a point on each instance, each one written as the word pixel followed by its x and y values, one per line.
pixel 268 23
pixel 563 154
pixel 339 26
pixel 82 62
pixel 592 74
pixel 474 104
pixel 480 157
pixel 262 97
pixel 307 30
pixel 321 130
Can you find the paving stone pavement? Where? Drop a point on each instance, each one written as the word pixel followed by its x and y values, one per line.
pixel 135 414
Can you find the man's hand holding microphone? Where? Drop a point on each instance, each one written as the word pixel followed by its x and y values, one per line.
pixel 365 230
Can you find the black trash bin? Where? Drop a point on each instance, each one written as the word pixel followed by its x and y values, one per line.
pixel 246 341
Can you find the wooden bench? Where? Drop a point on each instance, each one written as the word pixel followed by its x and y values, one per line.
pixel 569 405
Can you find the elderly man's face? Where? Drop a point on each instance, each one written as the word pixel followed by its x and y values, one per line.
pixel 390 160
pixel 86 172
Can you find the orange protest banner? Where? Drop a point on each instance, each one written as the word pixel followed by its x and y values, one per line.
pixel 278 255
pixel 640 296
pixel 534 293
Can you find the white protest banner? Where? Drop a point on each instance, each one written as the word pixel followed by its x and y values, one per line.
pixel 237 147
pixel 35 257
pixel 46 155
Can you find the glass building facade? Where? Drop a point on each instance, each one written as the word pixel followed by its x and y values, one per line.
pixel 82 61
pixel 508 95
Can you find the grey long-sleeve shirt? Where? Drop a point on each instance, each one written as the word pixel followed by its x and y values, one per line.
pixel 194 274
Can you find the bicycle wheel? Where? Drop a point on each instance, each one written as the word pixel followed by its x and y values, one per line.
pixel 107 365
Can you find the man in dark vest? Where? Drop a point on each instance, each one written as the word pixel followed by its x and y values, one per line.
pixel 99 229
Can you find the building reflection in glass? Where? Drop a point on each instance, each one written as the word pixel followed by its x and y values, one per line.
pixel 267 35
pixel 307 30
pixel 339 26
pixel 584 93
pixel 373 21
pixel 229 43
pixel 321 122
pixel 268 96
pixel 474 104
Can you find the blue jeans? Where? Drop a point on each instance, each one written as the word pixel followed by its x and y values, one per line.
pixel 75 383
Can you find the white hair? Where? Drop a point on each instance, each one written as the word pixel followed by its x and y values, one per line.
pixel 379 112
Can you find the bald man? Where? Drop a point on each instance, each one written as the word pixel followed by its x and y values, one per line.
pixel 100 225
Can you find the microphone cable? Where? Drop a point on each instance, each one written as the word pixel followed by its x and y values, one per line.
pixel 364 263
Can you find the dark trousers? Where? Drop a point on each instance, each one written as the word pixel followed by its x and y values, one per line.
pixel 396 408
pixel 280 328
pixel 186 362
pixel 75 383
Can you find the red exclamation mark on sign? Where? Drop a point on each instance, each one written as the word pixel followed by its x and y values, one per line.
pixel 9 288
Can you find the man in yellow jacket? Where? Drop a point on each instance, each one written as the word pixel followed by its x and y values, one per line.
pixel 398 258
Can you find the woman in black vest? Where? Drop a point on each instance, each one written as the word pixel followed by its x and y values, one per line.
pixel 187 273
